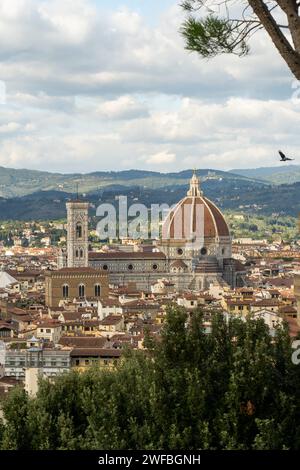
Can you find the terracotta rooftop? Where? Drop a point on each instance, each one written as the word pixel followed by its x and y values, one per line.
pixel 95 352
pixel 26 273
pixel 281 281
pixel 5 325
pixel 267 302
pixel 111 320
pixel 140 304
pixel 71 315
pixel 110 303
pixel 288 309
pixel 75 271
pixel 239 302
pixel 83 342
pixel 81 322
pixel 49 325
pixel 120 337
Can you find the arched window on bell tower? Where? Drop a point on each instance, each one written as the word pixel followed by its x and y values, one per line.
pixel 81 290
pixel 81 253
pixel 78 231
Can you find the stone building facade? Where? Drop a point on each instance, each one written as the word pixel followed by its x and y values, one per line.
pixel 70 283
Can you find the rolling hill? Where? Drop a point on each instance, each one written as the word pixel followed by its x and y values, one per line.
pixel 35 195
pixel 237 195
pixel 17 183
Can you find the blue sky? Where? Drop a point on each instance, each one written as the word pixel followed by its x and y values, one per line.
pixel 107 85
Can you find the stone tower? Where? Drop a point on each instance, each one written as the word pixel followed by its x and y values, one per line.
pixel 77 245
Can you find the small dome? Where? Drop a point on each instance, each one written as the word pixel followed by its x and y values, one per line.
pixel 194 217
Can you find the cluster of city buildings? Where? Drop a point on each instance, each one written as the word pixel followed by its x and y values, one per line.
pixel 30 235
pixel 85 307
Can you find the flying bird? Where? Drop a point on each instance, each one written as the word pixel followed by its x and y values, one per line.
pixel 283 157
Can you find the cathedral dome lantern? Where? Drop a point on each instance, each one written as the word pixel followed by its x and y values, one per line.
pixel 194 190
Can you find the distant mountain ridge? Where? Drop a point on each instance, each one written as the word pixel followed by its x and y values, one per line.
pixel 21 182
pixel 17 183
pixel 241 195
pixel 38 195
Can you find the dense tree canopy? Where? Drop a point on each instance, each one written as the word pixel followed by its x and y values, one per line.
pixel 214 27
pixel 235 388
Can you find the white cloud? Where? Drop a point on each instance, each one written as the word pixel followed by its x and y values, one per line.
pixel 10 127
pixel 124 107
pixel 89 89
pixel 160 158
pixel 71 47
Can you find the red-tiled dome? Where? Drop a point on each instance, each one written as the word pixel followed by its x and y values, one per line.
pixel 194 216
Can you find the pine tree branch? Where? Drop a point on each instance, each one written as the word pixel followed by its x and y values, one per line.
pixel 288 53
